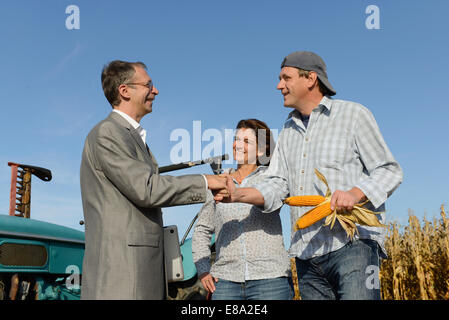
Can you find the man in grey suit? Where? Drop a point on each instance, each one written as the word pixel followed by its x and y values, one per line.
pixel 122 194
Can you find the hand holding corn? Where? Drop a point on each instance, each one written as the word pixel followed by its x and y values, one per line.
pixel 345 200
pixel 342 206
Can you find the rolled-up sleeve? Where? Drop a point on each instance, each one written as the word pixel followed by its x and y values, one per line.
pixel 384 172
pixel 202 235
pixel 274 187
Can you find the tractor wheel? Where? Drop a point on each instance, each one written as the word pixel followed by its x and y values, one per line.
pixel 191 289
pixel 188 290
pixel 2 290
pixel 195 292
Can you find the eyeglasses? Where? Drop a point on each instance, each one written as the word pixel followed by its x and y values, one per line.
pixel 149 84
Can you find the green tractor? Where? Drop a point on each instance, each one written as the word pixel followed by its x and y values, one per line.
pixel 43 261
pixel 38 260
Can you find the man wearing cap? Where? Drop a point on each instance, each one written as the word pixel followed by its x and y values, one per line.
pixel 342 140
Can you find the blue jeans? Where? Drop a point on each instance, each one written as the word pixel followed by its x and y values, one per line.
pixel 349 273
pixel 264 289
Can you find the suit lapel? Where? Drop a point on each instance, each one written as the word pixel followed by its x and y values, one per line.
pixel 137 138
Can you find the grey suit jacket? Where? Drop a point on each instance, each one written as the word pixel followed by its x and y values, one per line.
pixel 122 193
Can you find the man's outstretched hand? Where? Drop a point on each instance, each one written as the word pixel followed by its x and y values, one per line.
pixel 234 194
pixel 226 195
pixel 215 183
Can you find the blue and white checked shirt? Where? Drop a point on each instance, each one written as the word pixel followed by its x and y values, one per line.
pixel 249 243
pixel 343 141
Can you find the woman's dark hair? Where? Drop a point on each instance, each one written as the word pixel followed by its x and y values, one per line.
pixel 265 141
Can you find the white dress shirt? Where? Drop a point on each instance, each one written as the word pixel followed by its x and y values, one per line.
pixel 142 132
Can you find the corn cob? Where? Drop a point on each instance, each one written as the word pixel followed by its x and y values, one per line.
pixel 304 200
pixel 314 215
pixel 358 214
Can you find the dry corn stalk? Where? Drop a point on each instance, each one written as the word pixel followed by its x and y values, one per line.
pixel 418 266
pixel 295 279
pixel 347 220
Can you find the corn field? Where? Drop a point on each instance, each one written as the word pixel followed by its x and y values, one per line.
pixel 417 267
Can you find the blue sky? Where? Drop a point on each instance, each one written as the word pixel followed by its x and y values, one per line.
pixel 218 62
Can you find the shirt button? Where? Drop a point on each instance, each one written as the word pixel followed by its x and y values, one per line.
pixel 307 139
pixel 302 171
pixel 300 188
pixel 304 155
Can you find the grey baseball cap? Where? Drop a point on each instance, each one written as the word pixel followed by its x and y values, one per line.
pixel 309 61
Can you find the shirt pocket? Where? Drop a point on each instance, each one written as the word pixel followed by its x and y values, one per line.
pixel 334 148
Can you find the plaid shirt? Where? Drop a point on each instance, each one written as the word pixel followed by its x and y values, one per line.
pixel 342 140
pixel 249 243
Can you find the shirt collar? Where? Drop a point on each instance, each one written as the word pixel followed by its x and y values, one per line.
pixel 142 132
pixel 259 168
pixel 133 122
pixel 326 102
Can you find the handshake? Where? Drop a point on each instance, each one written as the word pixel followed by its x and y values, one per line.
pixel 224 190
pixel 222 187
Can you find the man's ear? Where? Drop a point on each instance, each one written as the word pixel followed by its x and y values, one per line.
pixel 123 92
pixel 312 80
